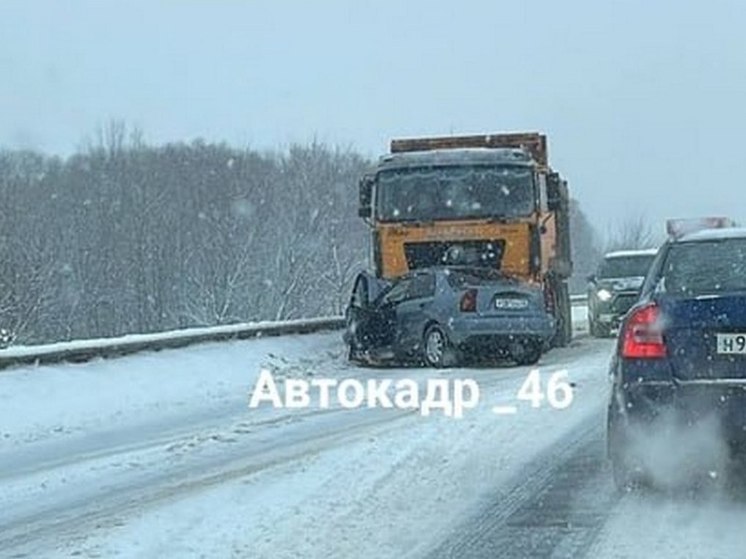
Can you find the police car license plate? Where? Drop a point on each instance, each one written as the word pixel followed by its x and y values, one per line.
pixel 731 344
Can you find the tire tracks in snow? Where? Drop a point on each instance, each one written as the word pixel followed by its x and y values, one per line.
pixel 115 503
pixel 281 440
pixel 39 457
pixel 556 508
pixel 36 459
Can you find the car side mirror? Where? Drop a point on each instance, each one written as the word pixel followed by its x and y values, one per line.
pixel 556 192
pixel 365 192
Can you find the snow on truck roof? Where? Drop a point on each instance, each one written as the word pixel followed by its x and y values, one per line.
pixel 630 253
pixel 456 156
pixel 718 234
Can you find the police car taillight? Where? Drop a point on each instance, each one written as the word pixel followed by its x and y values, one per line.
pixel 679 227
pixel 642 334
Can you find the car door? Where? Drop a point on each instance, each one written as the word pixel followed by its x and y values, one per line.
pixel 356 308
pixel 363 319
pixel 382 325
pixel 411 312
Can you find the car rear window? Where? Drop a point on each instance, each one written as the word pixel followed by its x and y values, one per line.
pixel 625 266
pixel 705 267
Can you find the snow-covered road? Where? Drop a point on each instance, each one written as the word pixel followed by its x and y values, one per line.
pixel 159 455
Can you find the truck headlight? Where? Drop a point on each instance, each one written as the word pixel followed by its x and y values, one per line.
pixel 603 294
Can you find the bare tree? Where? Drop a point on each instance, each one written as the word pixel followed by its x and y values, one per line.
pixel 124 237
pixel 632 232
pixel 585 244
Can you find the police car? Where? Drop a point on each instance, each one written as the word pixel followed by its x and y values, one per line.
pixel 678 398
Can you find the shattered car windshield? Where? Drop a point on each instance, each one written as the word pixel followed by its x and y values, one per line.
pixel 427 193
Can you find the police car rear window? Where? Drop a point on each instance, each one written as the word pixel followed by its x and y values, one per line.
pixel 708 267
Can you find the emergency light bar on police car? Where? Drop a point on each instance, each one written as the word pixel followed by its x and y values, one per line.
pixel 677 228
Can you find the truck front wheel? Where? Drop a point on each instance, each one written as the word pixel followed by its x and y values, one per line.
pixel 562 315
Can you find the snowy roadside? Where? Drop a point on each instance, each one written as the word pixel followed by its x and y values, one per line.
pixel 81 408
pixel 166 389
pixel 152 391
pixel 390 492
pixel 148 410
pixel 159 432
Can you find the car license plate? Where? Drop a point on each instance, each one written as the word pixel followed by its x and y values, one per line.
pixel 511 303
pixel 731 344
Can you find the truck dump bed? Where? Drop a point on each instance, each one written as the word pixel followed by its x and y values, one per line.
pixel 533 142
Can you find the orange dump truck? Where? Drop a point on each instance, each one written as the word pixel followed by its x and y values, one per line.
pixel 485 200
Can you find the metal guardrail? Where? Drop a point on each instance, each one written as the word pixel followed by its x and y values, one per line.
pixel 80 351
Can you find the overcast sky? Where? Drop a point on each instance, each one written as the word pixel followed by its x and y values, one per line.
pixel 643 101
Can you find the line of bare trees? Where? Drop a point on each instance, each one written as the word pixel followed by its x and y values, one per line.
pixel 586 249
pixel 629 232
pixel 125 237
pixel 129 238
pixel 633 231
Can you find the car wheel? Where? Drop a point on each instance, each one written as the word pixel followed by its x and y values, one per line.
pixel 626 478
pixel 353 351
pixel 623 476
pixel 563 316
pixel 603 330
pixel 353 354
pixel 525 353
pixel 598 330
pixel 437 349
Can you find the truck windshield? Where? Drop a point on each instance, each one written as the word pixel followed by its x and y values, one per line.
pixel 433 193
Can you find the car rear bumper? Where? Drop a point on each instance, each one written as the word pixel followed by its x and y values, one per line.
pixel 612 319
pixel 612 311
pixel 721 404
pixel 464 330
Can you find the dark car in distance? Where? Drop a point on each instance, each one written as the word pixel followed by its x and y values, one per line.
pixel 614 288
pixel 435 315
pixel 679 370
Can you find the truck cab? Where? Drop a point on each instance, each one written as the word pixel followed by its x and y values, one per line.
pixel 487 200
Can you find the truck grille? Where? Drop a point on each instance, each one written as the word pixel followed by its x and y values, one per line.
pixel 438 253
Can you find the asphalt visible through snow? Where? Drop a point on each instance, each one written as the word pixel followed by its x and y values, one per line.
pixel 564 505
pixel 555 508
